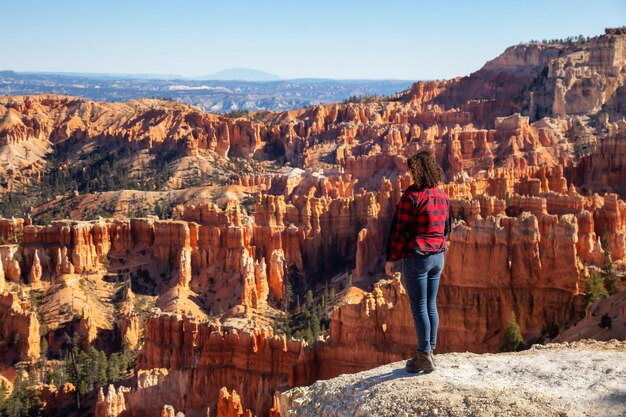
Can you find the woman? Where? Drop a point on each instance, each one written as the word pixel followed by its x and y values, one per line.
pixel 418 235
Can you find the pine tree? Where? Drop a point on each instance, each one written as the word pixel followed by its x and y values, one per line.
pixel 612 282
pixel 513 340
pixel 113 367
pixel 127 359
pixel 308 299
pixel 75 340
pixel 101 365
pixel 308 335
pixel 275 326
pixel 54 376
pixel 288 296
pixel 315 324
pixel 594 289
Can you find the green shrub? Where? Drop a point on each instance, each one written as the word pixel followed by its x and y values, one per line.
pixel 594 289
pixel 606 322
pixel 513 340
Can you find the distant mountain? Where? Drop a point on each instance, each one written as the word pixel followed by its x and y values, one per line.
pixel 240 74
pixel 104 75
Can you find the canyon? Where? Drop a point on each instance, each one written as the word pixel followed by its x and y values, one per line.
pixel 534 150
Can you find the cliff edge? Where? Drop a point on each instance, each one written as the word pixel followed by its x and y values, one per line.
pixel 584 378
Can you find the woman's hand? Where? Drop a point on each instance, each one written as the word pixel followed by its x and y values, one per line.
pixel 389 268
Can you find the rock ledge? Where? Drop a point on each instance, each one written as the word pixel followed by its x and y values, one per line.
pixel 585 378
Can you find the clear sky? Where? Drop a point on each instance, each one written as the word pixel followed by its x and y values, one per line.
pixel 331 39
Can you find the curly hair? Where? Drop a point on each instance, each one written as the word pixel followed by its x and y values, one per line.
pixel 425 170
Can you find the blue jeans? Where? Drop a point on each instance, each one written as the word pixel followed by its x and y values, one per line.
pixel 421 274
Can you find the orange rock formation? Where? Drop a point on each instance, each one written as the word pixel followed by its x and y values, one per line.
pixel 19 325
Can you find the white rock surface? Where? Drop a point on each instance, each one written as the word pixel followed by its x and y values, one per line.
pixel 586 378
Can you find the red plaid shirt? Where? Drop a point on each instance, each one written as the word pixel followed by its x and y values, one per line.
pixel 421 222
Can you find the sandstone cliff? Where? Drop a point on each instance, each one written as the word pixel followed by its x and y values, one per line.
pixel 182 355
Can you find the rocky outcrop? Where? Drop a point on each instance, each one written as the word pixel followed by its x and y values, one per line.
pixel 129 329
pixel 19 326
pixel 229 405
pixel 184 267
pixel 62 263
pixel 113 404
pixel 530 383
pixel 86 328
pixel 168 411
pixel 35 271
pixel 198 255
pixel 10 257
pixel 584 80
pixel 543 79
pixel 11 230
pixel 314 229
pixel 57 398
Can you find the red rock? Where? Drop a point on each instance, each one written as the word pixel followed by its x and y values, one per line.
pixel 195 353
pixel 35 270
pixel 168 411
pixel 16 318
pixel 229 405
pixel 113 404
pixel 11 229
pixel 184 267
pixel 129 329
pixel 57 398
pixel 86 328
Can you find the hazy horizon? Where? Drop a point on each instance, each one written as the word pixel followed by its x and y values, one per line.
pixel 198 77
pixel 363 40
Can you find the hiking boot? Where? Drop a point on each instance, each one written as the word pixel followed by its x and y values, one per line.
pixel 421 362
pixel 432 359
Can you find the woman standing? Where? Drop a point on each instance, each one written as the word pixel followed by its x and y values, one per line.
pixel 418 236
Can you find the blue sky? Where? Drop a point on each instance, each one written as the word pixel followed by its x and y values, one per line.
pixel 331 39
